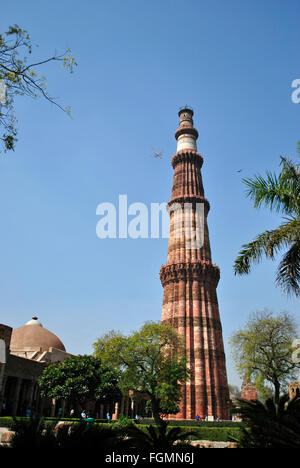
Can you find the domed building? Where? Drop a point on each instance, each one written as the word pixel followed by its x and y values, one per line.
pixel 33 341
pixel 24 354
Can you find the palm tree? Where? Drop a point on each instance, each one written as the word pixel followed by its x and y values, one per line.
pixel 33 434
pixel 38 434
pixel 158 438
pixel 102 437
pixel 280 194
pixel 270 425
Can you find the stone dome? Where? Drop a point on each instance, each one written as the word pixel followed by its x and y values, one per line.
pixel 33 336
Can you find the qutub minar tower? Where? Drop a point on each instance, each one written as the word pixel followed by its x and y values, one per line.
pixel 190 279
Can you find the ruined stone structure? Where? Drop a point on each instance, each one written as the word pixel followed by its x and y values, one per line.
pixel 249 391
pixel 294 389
pixel 190 279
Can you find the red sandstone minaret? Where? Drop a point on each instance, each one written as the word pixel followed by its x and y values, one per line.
pixel 190 280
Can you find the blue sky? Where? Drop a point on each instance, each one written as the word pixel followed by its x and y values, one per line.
pixel 138 62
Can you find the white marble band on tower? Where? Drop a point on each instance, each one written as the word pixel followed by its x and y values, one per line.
pixel 186 142
pixel 186 134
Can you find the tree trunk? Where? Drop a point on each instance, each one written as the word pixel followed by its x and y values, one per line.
pixel 277 391
pixel 156 413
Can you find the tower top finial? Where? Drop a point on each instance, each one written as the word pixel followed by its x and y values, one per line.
pixel 187 109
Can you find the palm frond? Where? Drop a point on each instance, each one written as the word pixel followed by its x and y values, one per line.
pixel 270 425
pixel 283 236
pixel 290 178
pixel 281 194
pixel 268 243
pixel 288 273
pixel 158 438
pixel 278 193
pixel 272 192
pixel 251 253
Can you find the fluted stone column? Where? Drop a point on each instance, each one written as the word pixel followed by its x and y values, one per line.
pixel 190 280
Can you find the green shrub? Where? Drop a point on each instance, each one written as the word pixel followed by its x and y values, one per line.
pixel 122 424
pixel 157 438
pixel 6 422
pixel 192 423
pixel 213 434
pixel 216 434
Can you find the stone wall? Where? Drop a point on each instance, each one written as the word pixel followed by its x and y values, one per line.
pixel 24 368
pixel 5 335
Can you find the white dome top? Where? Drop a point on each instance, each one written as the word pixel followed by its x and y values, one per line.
pixel 34 321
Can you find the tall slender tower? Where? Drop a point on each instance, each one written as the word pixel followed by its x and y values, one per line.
pixel 190 280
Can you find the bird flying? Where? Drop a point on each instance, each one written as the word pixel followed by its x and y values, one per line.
pixel 156 154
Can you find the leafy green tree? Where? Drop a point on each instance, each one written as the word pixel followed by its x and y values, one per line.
pixel 151 362
pixel 263 350
pixel 280 194
pixel 270 425
pixel 80 379
pixel 20 78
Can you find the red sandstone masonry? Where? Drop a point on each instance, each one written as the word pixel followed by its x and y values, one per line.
pixel 249 391
pixel 190 301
